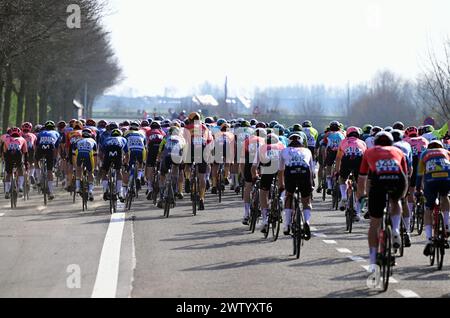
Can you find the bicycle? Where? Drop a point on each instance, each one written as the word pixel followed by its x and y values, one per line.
pixel 220 181
pixel 112 187
pixel 43 184
pixel 26 187
pixel 350 210
pixel 275 217
pixel 255 209
pixel 84 188
pixel 439 240
pixel 13 190
pixel 336 194
pixel 169 195
pixel 419 212
pixel 324 185
pixel 132 188
pixel 156 189
pixel 298 226
pixel 195 197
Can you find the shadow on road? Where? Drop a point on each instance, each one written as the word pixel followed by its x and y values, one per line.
pixel 252 262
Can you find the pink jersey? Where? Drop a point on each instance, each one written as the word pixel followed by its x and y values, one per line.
pixel 352 147
pixel 13 144
pixel 418 145
pixel 31 140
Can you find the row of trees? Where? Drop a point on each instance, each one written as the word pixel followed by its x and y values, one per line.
pixel 50 52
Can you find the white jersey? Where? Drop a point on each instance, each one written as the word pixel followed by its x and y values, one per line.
pixel 370 142
pixel 296 157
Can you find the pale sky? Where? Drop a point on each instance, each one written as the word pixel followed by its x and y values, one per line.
pixel 182 43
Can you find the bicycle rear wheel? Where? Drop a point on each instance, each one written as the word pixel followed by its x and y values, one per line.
pixel 219 186
pixel 299 234
pixel 386 257
pixel 420 219
pixel 412 221
pixel 402 238
pixel 440 249
pixel 194 196
pixel 276 220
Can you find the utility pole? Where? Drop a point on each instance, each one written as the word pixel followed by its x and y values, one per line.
pixel 348 98
pixel 86 109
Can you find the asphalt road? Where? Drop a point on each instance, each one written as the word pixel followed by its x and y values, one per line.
pixel 59 251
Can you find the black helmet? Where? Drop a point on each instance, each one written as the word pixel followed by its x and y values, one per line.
pixel 335 126
pixel 253 122
pixel 375 130
pixel 245 123
pixel 116 133
pixel 155 125
pixel 307 124
pixel 384 138
pixel 398 125
pixel 113 125
pixel 397 135
pixel 273 123
pixel 50 125
pixel 87 133
pixel 209 120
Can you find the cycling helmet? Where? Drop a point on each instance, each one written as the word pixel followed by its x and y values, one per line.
pixel 297 127
pixel 397 134
pixel 134 125
pixel 27 127
pixel 37 129
pixel 176 123
pixel 116 133
pixel 367 128
pixel 61 125
pixel 353 132
pixel 384 138
pixel 220 122
pixel 194 116
pixel 295 138
pixel 102 124
pixel 261 125
pixel 335 126
pixel 245 123
pixel 155 125
pixel 15 132
pixel 435 144
pixel 412 132
pixel 174 131
pixel 375 130
pixel 273 123
pixel 145 123
pixel 78 125
pixel 260 132
pixel 182 124
pixel 253 122
pixel 428 129
pixel 83 121
pixel 50 125
pixel 272 139
pixel 225 127
pixel 388 129
pixel 87 133
pixel 398 125
pixel 279 129
pixel 71 122
pixel 91 122
pixel 307 124
pixel 113 125
pixel 209 120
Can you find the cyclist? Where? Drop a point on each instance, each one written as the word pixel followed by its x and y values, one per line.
pixel 154 138
pixel 370 141
pixel 297 172
pixel 332 142
pixel 398 125
pixel 137 154
pixel 320 155
pixel 242 133
pixel 171 152
pixel 223 154
pixel 86 156
pixel 31 139
pixel 311 135
pixel 434 171
pixel 267 159
pixel 246 159
pixel 114 149
pixel 47 147
pixel 387 170
pixel 15 153
pixel 366 131
pixel 72 136
pixel 199 142
pixel 348 161
pixel 406 206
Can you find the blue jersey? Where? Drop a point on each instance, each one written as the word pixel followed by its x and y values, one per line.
pixel 407 150
pixel 86 147
pixel 334 140
pixel 284 140
pixel 48 139
pixel 136 141
pixel 105 135
pixel 114 144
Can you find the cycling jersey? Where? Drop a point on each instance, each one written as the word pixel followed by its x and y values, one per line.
pixel 311 136
pixel 171 151
pixel 224 144
pixel 383 161
pixel 333 140
pixel 351 148
pixel 268 158
pixel 86 150
pixel 298 166
pixel 48 139
pixel 14 149
pixel 292 158
pixel 407 151
pixel 136 147
pixel 31 140
pixel 418 145
pixel 114 148
pixel 370 142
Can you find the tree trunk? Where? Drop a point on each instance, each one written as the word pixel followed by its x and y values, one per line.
pixel 8 95
pixel 31 103
pixel 43 103
pixel 20 101
pixel 1 90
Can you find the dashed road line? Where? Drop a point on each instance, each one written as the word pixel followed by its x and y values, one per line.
pixel 2 214
pixel 407 293
pixel 344 250
pixel 356 258
pixel 318 234
pixel 329 241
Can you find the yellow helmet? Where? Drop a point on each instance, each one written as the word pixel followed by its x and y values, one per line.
pixel 194 116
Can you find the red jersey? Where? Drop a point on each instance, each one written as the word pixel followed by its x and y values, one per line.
pixel 197 135
pixel 72 137
pixel 418 145
pixel 14 144
pixel 383 160
pixel 155 136
pixel 352 147
pixel 31 140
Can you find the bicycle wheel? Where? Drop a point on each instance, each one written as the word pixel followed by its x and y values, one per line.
pixel 276 219
pixel 254 211
pixel 219 186
pixel 111 189
pixel 412 219
pixel 386 257
pixel 299 234
pixel 13 191
pixel 194 195
pixel 440 248
pixel 402 238
pixel 420 219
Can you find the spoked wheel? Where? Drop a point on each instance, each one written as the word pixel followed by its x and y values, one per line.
pixel 112 196
pixel 254 212
pixel 412 218
pixel 420 220
pixel 194 196
pixel 440 248
pixel 386 256
pixel 298 233
pixel 276 221
pixel 402 238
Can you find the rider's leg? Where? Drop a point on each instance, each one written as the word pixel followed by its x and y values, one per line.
pixel 287 220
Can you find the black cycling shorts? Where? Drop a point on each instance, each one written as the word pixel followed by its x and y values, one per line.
pixel 12 158
pixel 48 155
pixel 434 188
pixel 266 181
pixel 248 172
pixel 412 180
pixel 298 178
pixel 330 158
pixel 350 165
pixel 152 154
pixel 113 157
pixel 380 186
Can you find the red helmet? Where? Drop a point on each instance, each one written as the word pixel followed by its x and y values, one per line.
pixel 91 122
pixel 353 131
pixel 411 132
pixel 15 132
pixel 27 127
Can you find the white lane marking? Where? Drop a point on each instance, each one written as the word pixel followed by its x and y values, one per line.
pixel 108 268
pixel 407 293
pixel 312 228
pixel 343 250
pixel 41 208
pixel 366 267
pixel 391 279
pixel 2 214
pixel 356 258
pixel 329 241
pixel 319 234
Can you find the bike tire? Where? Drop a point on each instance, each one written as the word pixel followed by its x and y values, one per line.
pixel 299 234
pixel 420 220
pixel 440 249
pixel 194 196
pixel 387 258
pixel 402 238
pixel 276 221
pixel 412 218
pixel 219 187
